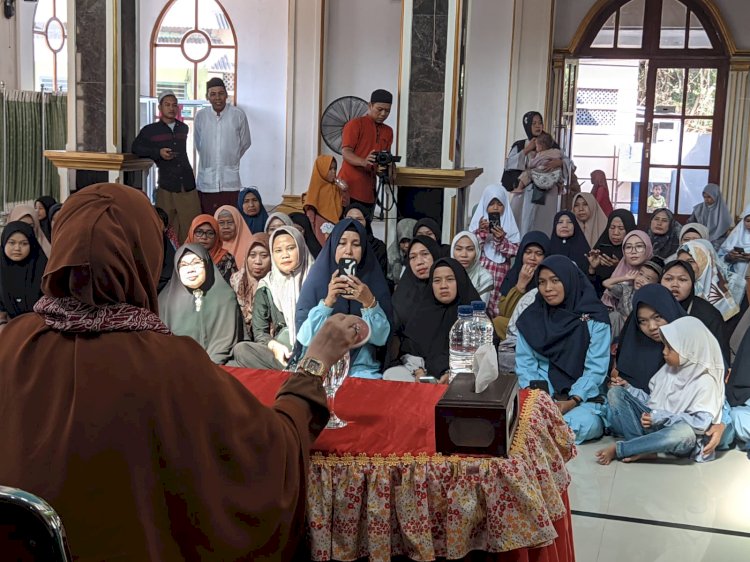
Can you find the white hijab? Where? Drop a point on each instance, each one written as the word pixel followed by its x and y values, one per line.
pixel 507 221
pixel 739 237
pixel 480 277
pixel 697 385
pixel 285 289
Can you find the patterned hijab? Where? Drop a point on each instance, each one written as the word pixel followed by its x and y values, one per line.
pixel 664 245
pixel 711 282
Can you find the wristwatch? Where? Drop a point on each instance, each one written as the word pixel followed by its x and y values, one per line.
pixel 311 367
pixel 577 399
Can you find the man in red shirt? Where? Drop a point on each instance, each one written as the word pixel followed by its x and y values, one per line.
pixel 362 138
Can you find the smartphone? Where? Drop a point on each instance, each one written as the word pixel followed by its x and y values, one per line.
pixel 494 219
pixel 347 266
pixel 739 250
pixel 539 384
pixel 427 379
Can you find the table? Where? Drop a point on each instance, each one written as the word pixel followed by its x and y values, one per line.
pixel 377 488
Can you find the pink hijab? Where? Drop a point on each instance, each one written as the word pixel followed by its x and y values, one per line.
pixel 623 268
pixel 600 191
pixel 239 246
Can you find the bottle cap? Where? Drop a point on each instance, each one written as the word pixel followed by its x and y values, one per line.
pixel 478 306
pixel 465 309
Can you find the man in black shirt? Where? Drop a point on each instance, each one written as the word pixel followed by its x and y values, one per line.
pixel 165 142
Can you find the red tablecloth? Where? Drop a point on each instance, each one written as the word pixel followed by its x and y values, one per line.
pixel 377 488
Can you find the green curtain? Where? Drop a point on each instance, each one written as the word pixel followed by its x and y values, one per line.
pixel 21 145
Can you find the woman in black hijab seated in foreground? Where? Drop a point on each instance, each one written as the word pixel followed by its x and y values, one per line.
pixel 421 347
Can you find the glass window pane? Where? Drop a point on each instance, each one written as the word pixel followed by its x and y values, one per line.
pixel 696 142
pixel 669 90
pixel 665 142
pixel 43 64
pixel 179 19
pixel 219 64
pixel 213 20
pixel 62 70
pixel 606 36
pixel 173 72
pixel 42 14
pixel 698 38
pixel 692 183
pixel 673 18
pixel 662 186
pixel 701 91
pixel 630 33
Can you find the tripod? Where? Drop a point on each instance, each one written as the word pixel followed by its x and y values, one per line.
pixel 383 191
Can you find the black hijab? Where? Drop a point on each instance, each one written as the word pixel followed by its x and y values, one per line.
pixel 21 282
pixel 702 309
pixel 738 386
pixel 607 247
pixel 46 224
pixel 560 333
pixel 315 287
pixel 528 118
pixel 409 288
pixel 576 247
pixel 533 238
pixel 53 210
pixel 426 333
pixel 311 241
pixel 432 225
pixel 376 244
pixel 665 245
pixel 638 356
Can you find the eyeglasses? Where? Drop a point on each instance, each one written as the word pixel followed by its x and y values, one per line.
pixel 204 233
pixel 637 248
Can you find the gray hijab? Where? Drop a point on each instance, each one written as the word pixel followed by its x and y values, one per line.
pixel 715 217
pixel 217 326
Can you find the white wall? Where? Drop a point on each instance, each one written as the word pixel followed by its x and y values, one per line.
pixel 262 32
pixel 362 52
pixel 17 48
pixel 487 83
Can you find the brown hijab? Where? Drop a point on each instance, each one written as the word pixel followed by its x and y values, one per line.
pixel 146 449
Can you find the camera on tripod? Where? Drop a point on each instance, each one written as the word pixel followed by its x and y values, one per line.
pixel 385 158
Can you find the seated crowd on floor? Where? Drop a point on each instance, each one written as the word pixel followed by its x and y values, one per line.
pixel 641 334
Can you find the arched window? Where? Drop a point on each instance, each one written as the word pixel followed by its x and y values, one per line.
pixel 50 45
pixel 650 90
pixel 192 42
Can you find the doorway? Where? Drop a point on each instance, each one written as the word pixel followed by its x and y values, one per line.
pixel 649 90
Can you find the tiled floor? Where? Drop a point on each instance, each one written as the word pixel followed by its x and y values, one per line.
pixel 661 510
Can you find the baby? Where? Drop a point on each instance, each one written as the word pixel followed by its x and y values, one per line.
pixel 536 172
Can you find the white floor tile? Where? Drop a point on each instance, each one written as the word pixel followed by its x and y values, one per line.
pixel 587 537
pixel 591 484
pixel 629 542
pixel 715 494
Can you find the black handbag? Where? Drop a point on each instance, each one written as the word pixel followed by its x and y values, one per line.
pixel 510 179
pixel 537 195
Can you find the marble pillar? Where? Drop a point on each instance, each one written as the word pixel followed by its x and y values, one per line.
pixel 106 81
pixel 424 141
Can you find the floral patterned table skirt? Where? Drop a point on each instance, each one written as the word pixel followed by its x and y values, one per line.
pixel 429 506
pixel 380 490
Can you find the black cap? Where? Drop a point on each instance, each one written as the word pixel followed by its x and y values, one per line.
pixel 214 82
pixel 381 96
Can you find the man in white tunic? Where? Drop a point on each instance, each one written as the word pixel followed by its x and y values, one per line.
pixel 222 136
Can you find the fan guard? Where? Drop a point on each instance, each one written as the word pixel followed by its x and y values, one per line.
pixel 338 113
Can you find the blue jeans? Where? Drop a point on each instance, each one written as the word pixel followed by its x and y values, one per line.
pixel 625 415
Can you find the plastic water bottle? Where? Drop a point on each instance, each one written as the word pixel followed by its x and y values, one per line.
pixel 482 323
pixel 462 342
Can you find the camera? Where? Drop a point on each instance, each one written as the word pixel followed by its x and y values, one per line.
pixel 385 158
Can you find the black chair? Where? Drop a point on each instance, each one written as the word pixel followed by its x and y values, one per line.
pixel 30 530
